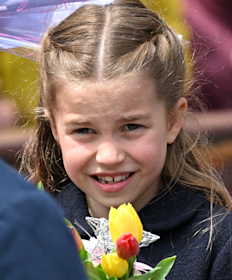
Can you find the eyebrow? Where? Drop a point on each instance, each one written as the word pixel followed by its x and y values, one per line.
pixel 133 118
pixel 80 122
pixel 122 120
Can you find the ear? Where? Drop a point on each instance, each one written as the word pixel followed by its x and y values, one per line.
pixel 176 119
pixel 52 124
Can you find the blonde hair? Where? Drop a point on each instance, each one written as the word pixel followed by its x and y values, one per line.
pixel 108 42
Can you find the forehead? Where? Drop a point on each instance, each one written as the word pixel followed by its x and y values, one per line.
pixel 123 92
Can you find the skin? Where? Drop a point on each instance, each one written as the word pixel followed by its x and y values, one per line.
pixel 114 129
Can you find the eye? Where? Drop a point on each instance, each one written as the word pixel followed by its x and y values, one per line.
pixel 83 130
pixel 131 126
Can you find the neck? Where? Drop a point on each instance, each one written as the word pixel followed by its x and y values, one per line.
pixel 96 210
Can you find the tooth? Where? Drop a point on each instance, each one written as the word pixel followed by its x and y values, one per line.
pixel 108 178
pixel 118 178
pixel 111 180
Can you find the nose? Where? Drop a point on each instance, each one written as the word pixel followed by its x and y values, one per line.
pixel 109 154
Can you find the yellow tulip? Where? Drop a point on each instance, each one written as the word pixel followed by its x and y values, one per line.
pixel 113 265
pixel 124 220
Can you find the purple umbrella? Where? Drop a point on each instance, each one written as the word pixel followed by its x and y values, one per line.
pixel 23 22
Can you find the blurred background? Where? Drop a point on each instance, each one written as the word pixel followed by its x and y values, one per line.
pixel 206 28
pixel 18 101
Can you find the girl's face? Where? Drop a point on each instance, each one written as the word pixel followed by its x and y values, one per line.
pixel 113 137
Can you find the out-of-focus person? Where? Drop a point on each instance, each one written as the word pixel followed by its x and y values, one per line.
pixel 210 23
pixel 34 241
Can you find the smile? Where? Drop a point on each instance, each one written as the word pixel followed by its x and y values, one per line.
pixel 112 179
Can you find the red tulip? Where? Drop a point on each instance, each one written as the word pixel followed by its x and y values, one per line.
pixel 76 238
pixel 127 246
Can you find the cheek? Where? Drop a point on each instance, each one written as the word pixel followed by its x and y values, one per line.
pixel 151 154
pixel 71 164
pixel 75 158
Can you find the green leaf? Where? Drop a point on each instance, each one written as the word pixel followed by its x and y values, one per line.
pixel 68 223
pixel 91 272
pixel 40 186
pixel 131 263
pixel 146 276
pixel 159 272
pixel 165 266
pixel 130 270
pixel 101 273
pixel 86 256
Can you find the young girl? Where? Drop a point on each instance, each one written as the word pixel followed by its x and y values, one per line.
pixel 110 130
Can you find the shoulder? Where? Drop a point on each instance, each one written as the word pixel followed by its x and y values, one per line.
pixel 222 226
pixel 215 222
pixel 18 194
pixel 11 182
pixel 216 228
pixel 34 239
pixel 221 249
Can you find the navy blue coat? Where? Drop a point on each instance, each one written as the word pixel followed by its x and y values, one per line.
pixel 181 217
pixel 34 241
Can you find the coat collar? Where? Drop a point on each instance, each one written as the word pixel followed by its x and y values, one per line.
pixel 170 209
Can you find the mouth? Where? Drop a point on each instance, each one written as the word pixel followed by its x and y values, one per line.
pixel 112 179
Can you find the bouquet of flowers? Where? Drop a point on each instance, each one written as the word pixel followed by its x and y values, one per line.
pixel 112 255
